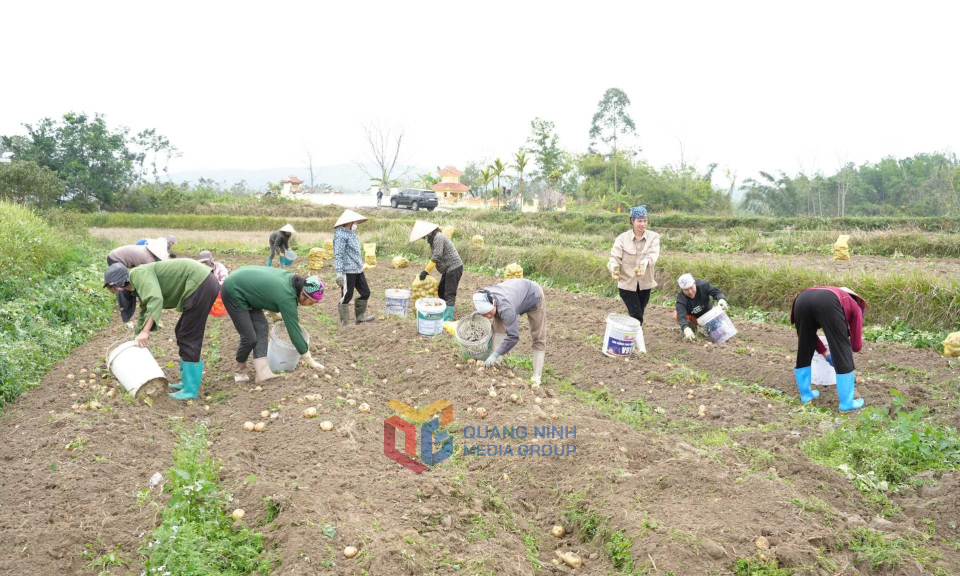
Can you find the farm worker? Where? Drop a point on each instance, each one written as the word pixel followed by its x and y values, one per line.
pixel 251 290
pixel 379 196
pixel 693 301
pixel 170 241
pixel 184 284
pixel 280 242
pixel 444 258
pixel 132 256
pixel 349 267
pixel 632 261
pixel 219 270
pixel 503 304
pixel 839 312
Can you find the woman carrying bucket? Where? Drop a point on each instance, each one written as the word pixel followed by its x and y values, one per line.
pixel 184 284
pixel 445 259
pixel 280 242
pixel 839 312
pixel 504 304
pixel 348 264
pixel 632 260
pixel 693 301
pixel 251 290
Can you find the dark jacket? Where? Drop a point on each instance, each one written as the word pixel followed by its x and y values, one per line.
pixel 699 304
pixel 279 242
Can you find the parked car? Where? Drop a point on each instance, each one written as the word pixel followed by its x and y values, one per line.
pixel 415 199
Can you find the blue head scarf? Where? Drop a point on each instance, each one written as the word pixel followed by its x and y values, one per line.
pixel 638 212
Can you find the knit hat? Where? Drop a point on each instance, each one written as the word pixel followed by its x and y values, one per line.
pixel 638 213
pixel 481 301
pixel 171 240
pixel 205 256
pixel 686 281
pixel 313 288
pixel 116 276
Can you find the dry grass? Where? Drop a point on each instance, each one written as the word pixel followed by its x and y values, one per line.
pixel 223 241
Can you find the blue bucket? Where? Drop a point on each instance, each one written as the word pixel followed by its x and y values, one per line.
pixel 288 259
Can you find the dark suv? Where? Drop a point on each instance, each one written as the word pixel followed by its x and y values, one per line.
pixel 415 199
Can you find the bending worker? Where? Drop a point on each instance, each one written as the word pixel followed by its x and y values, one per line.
pixel 251 290
pixel 348 264
pixel 693 301
pixel 219 270
pixel 445 259
pixel 184 284
pixel 170 240
pixel 839 312
pixel 503 304
pixel 632 260
pixel 132 256
pixel 280 242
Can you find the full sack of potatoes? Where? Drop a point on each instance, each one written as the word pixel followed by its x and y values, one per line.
pixel 425 289
pixel 370 254
pixel 316 258
pixel 951 346
pixel 477 242
pixel 328 249
pixel 840 249
pixel 513 271
pixel 449 231
pixel 400 262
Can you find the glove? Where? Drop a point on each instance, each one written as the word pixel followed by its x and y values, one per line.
pixel 688 334
pixel 722 304
pixel 423 275
pixel 341 280
pixel 431 266
pixel 309 361
pixel 492 360
pixel 830 359
pixel 614 271
pixel 642 268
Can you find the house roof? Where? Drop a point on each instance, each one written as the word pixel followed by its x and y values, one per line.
pixel 293 180
pixel 450 171
pixel 449 187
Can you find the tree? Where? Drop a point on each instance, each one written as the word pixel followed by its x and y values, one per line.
pixel 610 122
pixel 496 169
pixel 543 144
pixel 471 177
pixel 383 154
pixel 426 180
pixel 486 177
pixel 520 164
pixel 26 182
pixel 311 176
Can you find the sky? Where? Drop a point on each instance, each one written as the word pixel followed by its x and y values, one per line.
pixel 747 85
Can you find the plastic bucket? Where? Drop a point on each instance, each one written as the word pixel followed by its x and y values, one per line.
pixel 134 366
pixel 717 325
pixel 480 349
pixel 218 310
pixel 282 355
pixel 623 335
pixel 288 258
pixel 398 301
pixel 430 316
pixel 821 372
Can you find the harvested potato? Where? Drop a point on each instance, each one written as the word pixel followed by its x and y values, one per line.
pixel 248 426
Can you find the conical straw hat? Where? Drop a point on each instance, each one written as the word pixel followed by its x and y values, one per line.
pixel 288 228
pixel 348 217
pixel 421 229
pixel 158 247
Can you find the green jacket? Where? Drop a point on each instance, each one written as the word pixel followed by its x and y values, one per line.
pixel 165 285
pixel 262 288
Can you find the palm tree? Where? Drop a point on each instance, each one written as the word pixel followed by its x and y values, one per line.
pixel 486 177
pixel 497 168
pixel 426 180
pixel 520 164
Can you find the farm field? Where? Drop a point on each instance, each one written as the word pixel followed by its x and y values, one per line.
pixel 758 485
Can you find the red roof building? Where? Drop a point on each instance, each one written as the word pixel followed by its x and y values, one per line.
pixel 449 188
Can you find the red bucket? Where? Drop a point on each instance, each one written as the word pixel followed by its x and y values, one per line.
pixel 218 310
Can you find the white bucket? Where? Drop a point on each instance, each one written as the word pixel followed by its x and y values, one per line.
pixel 282 356
pixel 623 335
pixel 398 300
pixel 477 350
pixel 717 325
pixel 430 316
pixel 134 366
pixel 821 372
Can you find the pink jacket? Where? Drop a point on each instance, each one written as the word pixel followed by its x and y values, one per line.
pixel 851 312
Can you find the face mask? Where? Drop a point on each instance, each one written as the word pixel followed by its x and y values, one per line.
pixel 353 227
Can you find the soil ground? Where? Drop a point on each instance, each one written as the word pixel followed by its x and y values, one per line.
pixel 693 493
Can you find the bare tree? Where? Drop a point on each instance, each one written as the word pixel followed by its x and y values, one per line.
pixel 844 180
pixel 383 155
pixel 308 164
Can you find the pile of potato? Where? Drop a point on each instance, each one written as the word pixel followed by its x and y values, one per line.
pixel 328 249
pixel 400 262
pixel 449 231
pixel 426 289
pixel 840 249
pixel 513 271
pixel 370 254
pixel 316 258
pixel 477 242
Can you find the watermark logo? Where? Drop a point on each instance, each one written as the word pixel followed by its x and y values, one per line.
pixel 429 433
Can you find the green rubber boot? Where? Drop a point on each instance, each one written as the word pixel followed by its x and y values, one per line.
pixel 191 373
pixel 269 262
pixel 448 314
pixel 179 385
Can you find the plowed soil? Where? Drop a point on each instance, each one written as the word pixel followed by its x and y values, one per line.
pixel 693 493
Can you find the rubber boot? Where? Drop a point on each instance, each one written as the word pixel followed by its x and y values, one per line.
pixel 537 365
pixel 845 384
pixel 448 314
pixel 262 367
pixel 803 383
pixel 344 310
pixel 179 385
pixel 240 373
pixel 360 308
pixel 269 262
pixel 191 373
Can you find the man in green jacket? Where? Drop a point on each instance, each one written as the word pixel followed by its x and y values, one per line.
pixel 182 284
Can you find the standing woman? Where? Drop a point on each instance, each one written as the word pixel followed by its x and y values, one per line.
pixel 632 261
pixel 251 290
pixel 280 242
pixel 349 266
pixel 184 284
pixel 839 312
pixel 445 259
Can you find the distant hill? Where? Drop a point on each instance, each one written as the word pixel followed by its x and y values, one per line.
pixel 346 177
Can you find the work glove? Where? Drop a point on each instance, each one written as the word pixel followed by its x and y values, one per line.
pixel 341 280
pixel 642 268
pixel 431 266
pixel 423 275
pixel 722 304
pixel 309 361
pixel 830 359
pixel 492 360
pixel 614 271
pixel 688 334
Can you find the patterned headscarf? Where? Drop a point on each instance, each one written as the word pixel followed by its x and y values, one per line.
pixel 638 212
pixel 313 287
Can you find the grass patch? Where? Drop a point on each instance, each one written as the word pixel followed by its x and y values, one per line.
pixel 881 552
pixel 757 567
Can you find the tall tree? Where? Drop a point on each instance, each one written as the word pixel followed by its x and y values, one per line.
pixel 610 122
pixel 26 182
pixel 312 172
pixel 486 177
pixel 543 144
pixel 497 168
pixel 384 151
pixel 520 164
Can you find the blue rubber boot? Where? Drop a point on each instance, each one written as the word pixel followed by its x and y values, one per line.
pixel 191 373
pixel 803 384
pixel 178 385
pixel 269 262
pixel 448 314
pixel 845 384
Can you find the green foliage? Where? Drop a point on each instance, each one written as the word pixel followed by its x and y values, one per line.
pixel 898 331
pixel 886 553
pixel 756 567
pixel 618 546
pixel 47 305
pixel 27 183
pixel 195 536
